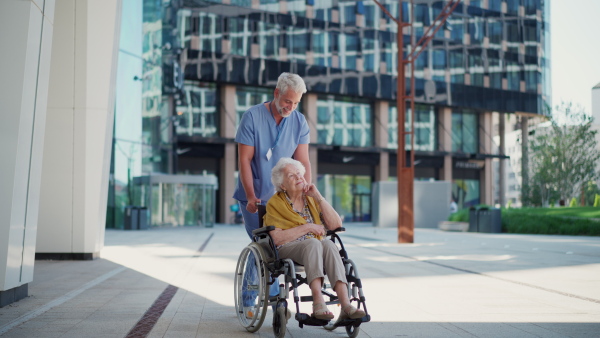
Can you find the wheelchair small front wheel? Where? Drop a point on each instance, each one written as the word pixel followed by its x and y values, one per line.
pixel 251 291
pixel 279 322
pixel 352 331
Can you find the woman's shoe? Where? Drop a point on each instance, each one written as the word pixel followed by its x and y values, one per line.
pixel 351 312
pixel 320 311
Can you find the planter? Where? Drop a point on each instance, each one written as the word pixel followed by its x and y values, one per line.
pixel 453 226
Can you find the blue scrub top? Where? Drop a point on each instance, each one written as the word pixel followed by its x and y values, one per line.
pixel 259 130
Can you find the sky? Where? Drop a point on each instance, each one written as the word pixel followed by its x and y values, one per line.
pixel 575 51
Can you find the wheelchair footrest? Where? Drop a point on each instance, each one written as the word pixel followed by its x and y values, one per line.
pixel 305 319
pixel 353 322
pixel 306 298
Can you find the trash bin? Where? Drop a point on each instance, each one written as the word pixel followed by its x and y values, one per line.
pixel 143 218
pixel 131 217
pixel 473 221
pixel 489 220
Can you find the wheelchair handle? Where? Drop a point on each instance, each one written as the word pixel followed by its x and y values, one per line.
pixel 331 232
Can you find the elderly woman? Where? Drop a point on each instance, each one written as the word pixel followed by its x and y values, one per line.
pixel 300 215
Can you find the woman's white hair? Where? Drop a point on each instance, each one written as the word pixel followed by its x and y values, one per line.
pixel 291 81
pixel 277 172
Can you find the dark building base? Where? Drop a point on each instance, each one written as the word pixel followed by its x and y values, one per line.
pixel 66 256
pixel 13 295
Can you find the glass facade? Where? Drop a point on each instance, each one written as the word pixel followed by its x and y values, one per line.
pixel 128 147
pixel 177 200
pixel 486 59
pixel 175 57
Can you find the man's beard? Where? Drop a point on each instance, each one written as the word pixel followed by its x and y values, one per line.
pixel 280 110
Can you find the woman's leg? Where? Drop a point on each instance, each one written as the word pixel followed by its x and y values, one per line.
pixel 310 254
pixel 334 267
pixel 337 277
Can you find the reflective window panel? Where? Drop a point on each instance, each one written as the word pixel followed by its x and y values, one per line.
pixel 343 122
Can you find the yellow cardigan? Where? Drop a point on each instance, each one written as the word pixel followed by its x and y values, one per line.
pixel 281 214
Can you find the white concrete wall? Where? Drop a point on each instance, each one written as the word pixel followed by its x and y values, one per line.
pixel 25 45
pixel 431 203
pixel 79 127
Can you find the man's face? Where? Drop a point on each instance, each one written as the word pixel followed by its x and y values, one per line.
pixel 286 103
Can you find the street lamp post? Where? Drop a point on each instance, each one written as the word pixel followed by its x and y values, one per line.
pixel 406 169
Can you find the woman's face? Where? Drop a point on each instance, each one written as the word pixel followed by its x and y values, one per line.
pixel 293 181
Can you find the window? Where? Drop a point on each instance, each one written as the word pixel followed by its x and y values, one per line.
pixel 247 97
pixel 343 122
pixel 465 136
pixel 198 113
pixel 425 128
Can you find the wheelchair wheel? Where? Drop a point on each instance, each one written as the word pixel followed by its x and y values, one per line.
pixel 279 322
pixel 251 278
pixel 352 331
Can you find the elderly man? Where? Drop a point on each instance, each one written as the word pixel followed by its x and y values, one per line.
pixel 268 132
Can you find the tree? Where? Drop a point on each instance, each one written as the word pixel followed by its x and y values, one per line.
pixel 563 156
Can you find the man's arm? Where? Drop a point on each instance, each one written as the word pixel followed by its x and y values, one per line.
pixel 301 154
pixel 246 153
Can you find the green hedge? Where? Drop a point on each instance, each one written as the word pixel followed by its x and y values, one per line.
pixel 517 222
pixel 534 221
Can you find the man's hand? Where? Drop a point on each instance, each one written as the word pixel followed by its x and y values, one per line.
pixel 251 206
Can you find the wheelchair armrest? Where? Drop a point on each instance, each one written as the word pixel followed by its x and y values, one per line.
pixel 331 232
pixel 263 230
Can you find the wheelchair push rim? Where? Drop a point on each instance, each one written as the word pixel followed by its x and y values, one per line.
pixel 252 255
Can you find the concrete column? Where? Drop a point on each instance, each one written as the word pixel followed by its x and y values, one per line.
pixel 485 139
pixel 25 49
pixel 445 141
pixel 485 133
pixel 502 162
pixel 309 105
pixel 382 170
pixel 78 140
pixel 229 160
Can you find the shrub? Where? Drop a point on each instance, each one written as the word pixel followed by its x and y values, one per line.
pixel 463 214
pixel 573 203
pixel 460 216
pixel 597 200
pixel 520 222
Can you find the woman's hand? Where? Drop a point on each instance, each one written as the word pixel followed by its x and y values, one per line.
pixel 312 191
pixel 317 229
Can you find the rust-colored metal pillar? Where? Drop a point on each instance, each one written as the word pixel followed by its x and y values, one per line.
pixel 405 171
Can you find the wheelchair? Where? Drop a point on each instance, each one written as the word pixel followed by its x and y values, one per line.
pixel 263 267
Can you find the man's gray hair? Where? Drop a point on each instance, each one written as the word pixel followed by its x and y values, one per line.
pixel 290 81
pixel 277 172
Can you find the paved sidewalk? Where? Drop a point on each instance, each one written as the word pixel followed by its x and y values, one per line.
pixel 445 285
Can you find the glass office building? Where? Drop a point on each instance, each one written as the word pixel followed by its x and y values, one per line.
pixel 203 63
